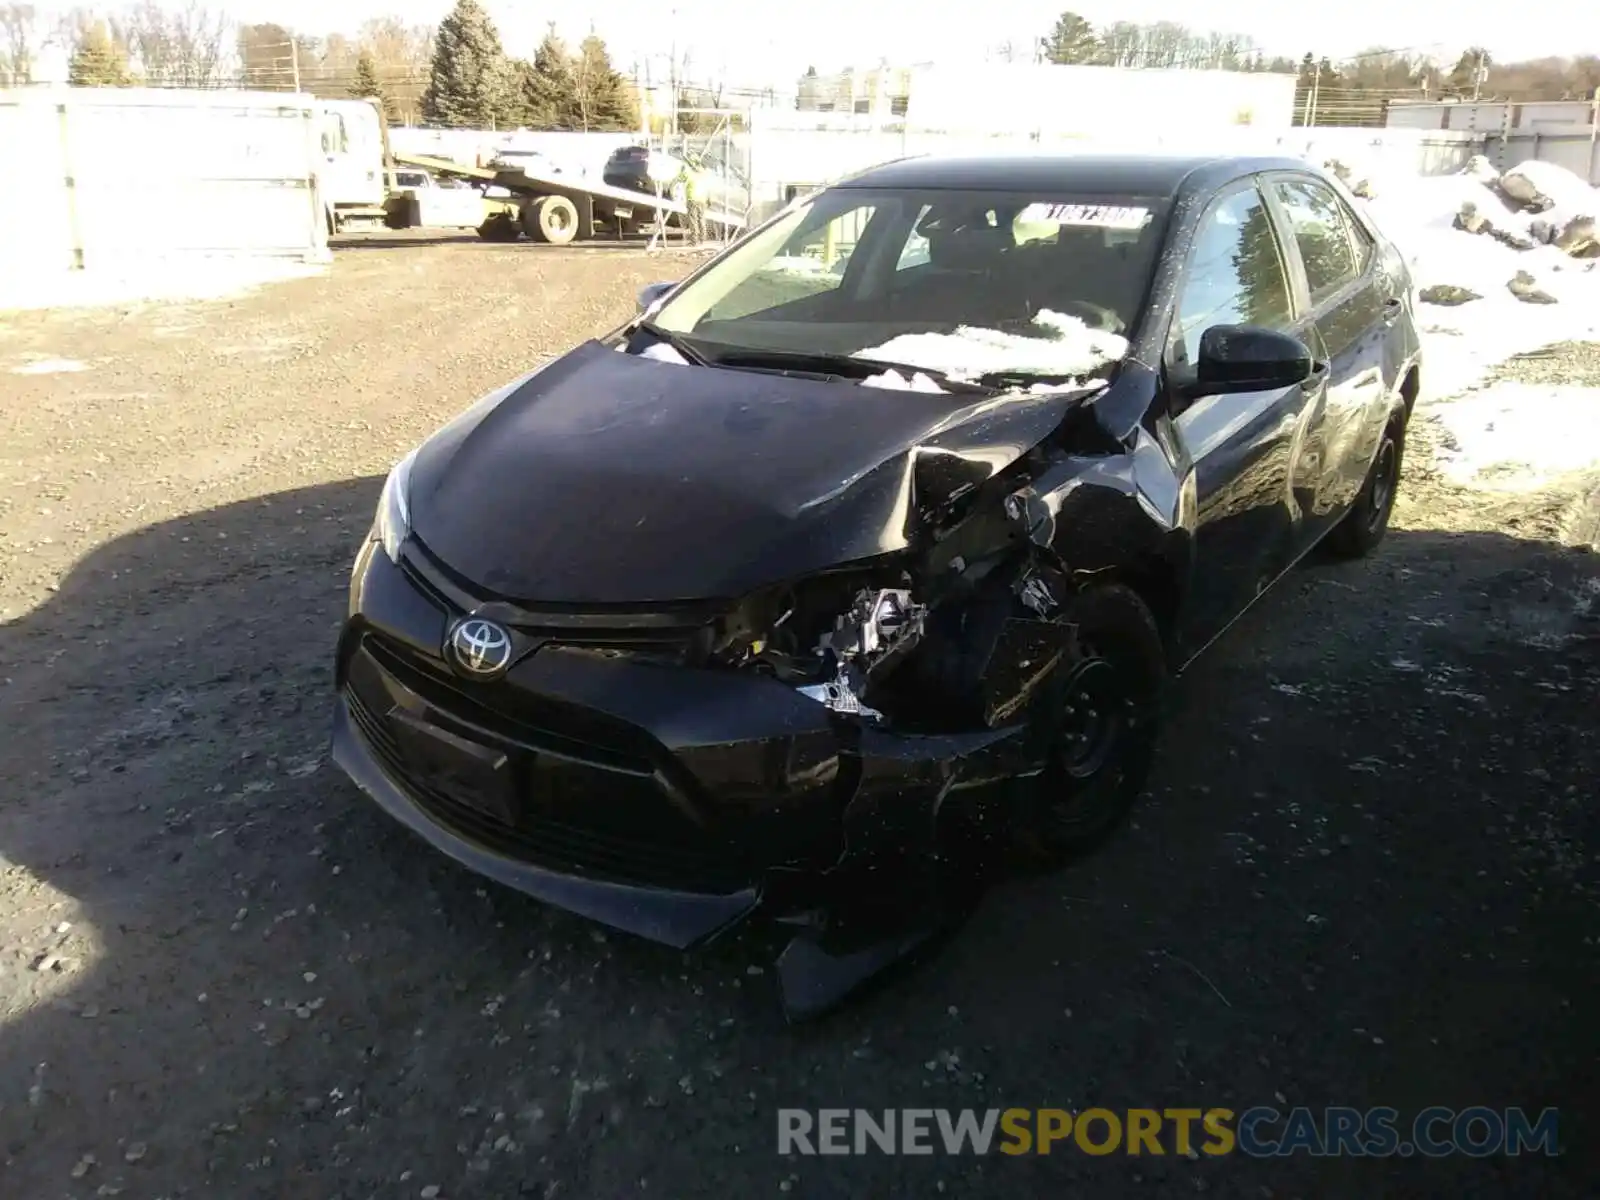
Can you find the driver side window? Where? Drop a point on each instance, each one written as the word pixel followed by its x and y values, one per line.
pixel 1235 274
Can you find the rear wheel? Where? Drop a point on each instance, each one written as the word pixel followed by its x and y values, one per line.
pixel 552 219
pixel 1363 527
pixel 1100 720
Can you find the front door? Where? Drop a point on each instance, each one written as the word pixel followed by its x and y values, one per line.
pixel 1247 449
pixel 1347 295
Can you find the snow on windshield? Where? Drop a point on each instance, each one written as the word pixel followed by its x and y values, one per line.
pixel 1069 347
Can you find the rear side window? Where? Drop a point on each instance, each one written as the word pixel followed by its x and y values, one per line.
pixel 1321 233
pixel 1235 272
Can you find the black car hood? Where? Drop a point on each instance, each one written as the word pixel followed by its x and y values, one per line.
pixel 607 478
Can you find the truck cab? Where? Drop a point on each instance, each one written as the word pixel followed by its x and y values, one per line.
pixel 351 168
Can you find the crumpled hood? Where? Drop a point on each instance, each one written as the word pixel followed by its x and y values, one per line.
pixel 607 478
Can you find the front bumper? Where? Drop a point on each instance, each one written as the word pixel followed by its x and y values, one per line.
pixel 661 800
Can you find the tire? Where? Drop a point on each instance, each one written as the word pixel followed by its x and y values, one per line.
pixel 554 220
pixel 1099 722
pixel 498 227
pixel 1363 527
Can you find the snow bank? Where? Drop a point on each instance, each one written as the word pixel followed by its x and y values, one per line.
pixel 1068 348
pixel 176 282
pixel 1505 436
pixel 1463 343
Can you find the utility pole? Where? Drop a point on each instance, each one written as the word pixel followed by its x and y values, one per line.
pixel 673 72
pixel 294 60
pixel 1479 76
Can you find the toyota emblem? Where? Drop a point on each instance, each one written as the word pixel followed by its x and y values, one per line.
pixel 481 649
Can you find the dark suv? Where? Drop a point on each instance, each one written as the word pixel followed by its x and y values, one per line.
pixel 628 167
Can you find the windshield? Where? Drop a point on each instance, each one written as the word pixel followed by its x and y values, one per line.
pixel 965 283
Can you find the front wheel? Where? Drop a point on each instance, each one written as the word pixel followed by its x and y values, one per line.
pixel 1099 721
pixel 1363 527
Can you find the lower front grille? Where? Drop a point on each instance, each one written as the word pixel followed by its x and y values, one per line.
pixel 686 858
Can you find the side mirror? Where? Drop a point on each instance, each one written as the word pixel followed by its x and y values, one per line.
pixel 1248 358
pixel 651 294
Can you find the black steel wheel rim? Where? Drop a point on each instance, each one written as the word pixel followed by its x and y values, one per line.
pixel 1383 483
pixel 1094 720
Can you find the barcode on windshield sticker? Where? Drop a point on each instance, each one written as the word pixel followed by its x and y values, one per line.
pixel 1101 216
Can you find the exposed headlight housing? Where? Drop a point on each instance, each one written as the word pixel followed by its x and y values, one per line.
pixel 393 522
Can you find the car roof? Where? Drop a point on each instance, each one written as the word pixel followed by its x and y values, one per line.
pixel 1127 174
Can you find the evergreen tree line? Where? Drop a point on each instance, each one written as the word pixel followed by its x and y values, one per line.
pixel 1353 91
pixel 467 79
pixel 473 83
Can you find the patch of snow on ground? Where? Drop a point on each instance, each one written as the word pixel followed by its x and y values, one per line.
pixel 1069 348
pixel 202 279
pixel 1518 436
pixel 49 366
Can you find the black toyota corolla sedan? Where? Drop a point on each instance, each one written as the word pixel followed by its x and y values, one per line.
pixel 873 542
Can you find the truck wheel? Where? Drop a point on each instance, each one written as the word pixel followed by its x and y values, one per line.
pixel 498 227
pixel 555 220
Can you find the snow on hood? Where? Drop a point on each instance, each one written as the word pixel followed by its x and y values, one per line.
pixel 896 382
pixel 1069 348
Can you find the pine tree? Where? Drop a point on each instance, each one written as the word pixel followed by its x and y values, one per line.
pixel 97 60
pixel 605 101
pixel 548 88
pixel 1071 40
pixel 469 82
pixel 366 85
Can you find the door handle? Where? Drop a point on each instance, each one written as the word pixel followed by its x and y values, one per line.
pixel 1391 310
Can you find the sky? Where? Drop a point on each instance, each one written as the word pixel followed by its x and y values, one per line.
pixel 775 40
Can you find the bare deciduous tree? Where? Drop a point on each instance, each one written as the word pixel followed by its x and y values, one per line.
pixel 179 47
pixel 18 41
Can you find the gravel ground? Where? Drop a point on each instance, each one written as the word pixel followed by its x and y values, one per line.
pixel 1365 874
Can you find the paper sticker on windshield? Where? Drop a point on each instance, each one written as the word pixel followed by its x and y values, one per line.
pixel 1099 216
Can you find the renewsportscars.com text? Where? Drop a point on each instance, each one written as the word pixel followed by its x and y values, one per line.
pixel 1260 1132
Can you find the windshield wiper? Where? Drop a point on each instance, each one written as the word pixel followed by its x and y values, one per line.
pixel 677 341
pixel 846 366
pixel 1012 379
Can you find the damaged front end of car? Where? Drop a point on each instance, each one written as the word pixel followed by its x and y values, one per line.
pixel 944 670
pixel 804 664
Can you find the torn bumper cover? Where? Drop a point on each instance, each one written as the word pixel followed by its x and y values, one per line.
pixel 666 801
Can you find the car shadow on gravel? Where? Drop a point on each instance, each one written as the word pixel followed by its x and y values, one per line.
pixel 1364 875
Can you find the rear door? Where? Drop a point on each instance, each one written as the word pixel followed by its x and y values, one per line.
pixel 1338 266
pixel 1246 448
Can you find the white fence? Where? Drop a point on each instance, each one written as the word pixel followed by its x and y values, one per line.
pixel 109 177
pixel 1578 150
pixel 780 160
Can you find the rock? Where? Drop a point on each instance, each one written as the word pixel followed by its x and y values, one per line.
pixel 1447 294
pixel 1470 220
pixel 1525 288
pixel 1579 238
pixel 1358 183
pixel 1510 237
